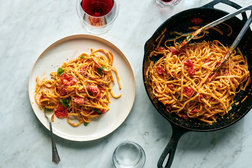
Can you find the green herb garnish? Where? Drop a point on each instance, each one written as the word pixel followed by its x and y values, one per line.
pixel 65 102
pixel 82 56
pixel 60 71
pixel 99 70
pixel 178 97
pixel 104 67
pixel 98 111
pixel 188 37
pixel 85 123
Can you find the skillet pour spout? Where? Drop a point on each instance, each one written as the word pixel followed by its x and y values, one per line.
pixel 207 13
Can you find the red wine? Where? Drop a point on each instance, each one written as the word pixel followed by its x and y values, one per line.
pixel 97 7
pixel 166 0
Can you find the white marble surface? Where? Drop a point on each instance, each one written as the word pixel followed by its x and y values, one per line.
pixel 29 26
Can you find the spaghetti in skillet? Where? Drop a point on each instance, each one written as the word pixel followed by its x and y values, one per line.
pixel 183 80
pixel 80 89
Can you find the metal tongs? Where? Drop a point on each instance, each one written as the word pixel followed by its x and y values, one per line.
pixel 218 21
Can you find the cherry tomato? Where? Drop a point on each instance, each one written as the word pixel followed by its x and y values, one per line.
pixel 160 70
pixel 173 50
pixel 170 86
pixel 188 91
pixel 79 100
pixel 188 63
pixel 160 49
pixel 67 80
pixel 61 111
pixel 196 21
pixel 194 111
pixel 62 90
pixel 103 111
pixel 191 71
pixel 94 90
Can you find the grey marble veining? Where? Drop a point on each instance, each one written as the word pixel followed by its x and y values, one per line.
pixel 29 26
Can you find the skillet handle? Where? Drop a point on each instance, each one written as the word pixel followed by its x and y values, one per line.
pixel 170 149
pixel 227 2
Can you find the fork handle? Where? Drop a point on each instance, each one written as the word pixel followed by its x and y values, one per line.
pixel 55 155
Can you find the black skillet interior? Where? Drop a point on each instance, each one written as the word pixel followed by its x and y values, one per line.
pixel 180 23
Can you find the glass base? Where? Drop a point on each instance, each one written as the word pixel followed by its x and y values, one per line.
pixel 164 4
pixel 96 30
pixel 97 25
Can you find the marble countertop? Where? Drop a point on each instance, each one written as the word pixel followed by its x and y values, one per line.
pixel 28 27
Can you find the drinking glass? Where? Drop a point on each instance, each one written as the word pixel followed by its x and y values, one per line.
pixel 97 16
pixel 170 3
pixel 129 155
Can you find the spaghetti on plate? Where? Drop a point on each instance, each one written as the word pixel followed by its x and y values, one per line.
pixel 80 89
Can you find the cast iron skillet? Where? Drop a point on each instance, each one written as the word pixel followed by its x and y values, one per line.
pixel 180 23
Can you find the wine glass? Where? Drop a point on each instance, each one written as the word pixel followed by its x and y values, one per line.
pixel 97 16
pixel 164 3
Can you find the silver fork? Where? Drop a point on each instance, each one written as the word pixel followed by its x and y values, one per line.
pixel 55 156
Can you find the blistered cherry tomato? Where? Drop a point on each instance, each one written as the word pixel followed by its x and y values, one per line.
pixel 188 91
pixel 94 90
pixel 196 21
pixel 160 70
pixel 173 50
pixel 191 71
pixel 160 49
pixel 188 63
pixel 61 111
pixel 170 86
pixel 67 80
pixel 79 100
pixel 62 90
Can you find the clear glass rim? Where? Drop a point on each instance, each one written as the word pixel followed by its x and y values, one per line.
pixel 142 156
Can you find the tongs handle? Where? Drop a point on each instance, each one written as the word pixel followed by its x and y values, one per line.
pixel 226 17
pixel 214 23
pixel 236 41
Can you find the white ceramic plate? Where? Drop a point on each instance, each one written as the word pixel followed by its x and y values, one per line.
pixel 69 48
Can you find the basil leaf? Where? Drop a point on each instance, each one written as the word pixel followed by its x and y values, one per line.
pixel 178 97
pixel 100 70
pixel 104 67
pixel 82 56
pixel 188 37
pixel 85 123
pixel 60 71
pixel 65 102
pixel 98 111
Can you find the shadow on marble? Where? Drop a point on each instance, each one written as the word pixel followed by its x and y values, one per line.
pixel 63 142
pixel 206 140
